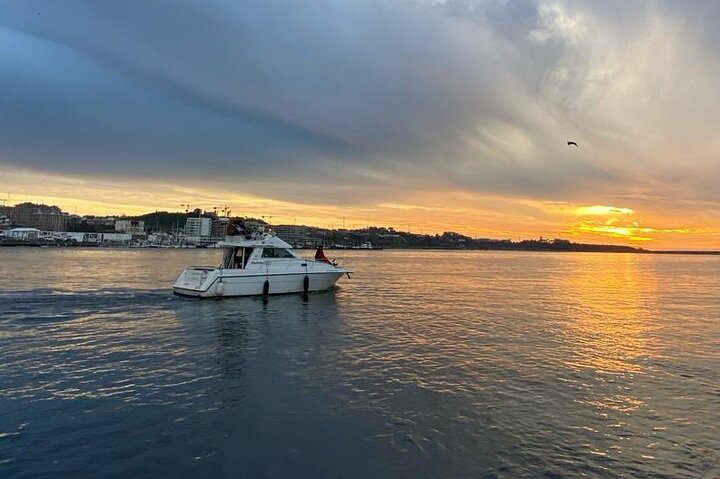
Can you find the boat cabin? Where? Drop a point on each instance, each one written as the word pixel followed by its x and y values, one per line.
pixel 239 254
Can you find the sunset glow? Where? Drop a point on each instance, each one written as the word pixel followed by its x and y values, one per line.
pixel 602 211
pixel 448 118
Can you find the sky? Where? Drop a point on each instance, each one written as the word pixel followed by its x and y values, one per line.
pixel 423 115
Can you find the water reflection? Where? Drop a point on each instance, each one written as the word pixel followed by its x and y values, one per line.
pixel 610 305
pixel 232 343
pixel 436 364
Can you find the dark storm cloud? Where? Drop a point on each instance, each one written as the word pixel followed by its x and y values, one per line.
pixel 360 96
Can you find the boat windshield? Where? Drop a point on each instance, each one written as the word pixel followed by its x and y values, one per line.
pixel 276 253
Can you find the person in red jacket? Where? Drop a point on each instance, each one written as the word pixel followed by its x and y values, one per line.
pixel 320 256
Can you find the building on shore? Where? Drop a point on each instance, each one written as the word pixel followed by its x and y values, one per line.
pixel 198 230
pixel 219 228
pixel 299 236
pixel 133 227
pixel 38 216
pixel 93 224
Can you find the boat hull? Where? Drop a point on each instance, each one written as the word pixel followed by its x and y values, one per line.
pixel 222 284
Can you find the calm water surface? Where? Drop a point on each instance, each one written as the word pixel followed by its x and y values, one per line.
pixel 424 364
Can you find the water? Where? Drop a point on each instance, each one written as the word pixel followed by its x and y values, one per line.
pixel 424 364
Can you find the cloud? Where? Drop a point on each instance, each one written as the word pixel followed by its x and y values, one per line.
pixel 360 102
pixel 600 210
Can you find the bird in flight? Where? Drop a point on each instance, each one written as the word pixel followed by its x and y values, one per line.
pixel 570 143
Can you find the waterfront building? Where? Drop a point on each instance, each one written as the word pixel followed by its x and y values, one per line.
pixel 198 230
pixel 299 236
pixel 133 227
pixel 38 216
pixel 92 224
pixel 219 227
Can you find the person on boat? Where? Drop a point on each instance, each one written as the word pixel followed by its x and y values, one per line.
pixel 320 256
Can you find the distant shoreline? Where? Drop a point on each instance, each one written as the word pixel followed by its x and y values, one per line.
pixel 548 248
pixel 637 251
pixel 705 253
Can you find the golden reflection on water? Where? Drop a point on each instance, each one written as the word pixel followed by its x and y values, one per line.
pixel 610 301
pixel 610 312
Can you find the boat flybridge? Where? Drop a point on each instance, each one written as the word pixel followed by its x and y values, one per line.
pixel 258 264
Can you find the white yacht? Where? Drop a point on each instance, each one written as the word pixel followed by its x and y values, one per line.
pixel 258 264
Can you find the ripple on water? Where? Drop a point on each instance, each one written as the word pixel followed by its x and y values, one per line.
pixel 494 365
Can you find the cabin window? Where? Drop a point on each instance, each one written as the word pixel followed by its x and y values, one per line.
pixel 240 257
pixel 229 258
pixel 276 253
pixel 248 252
